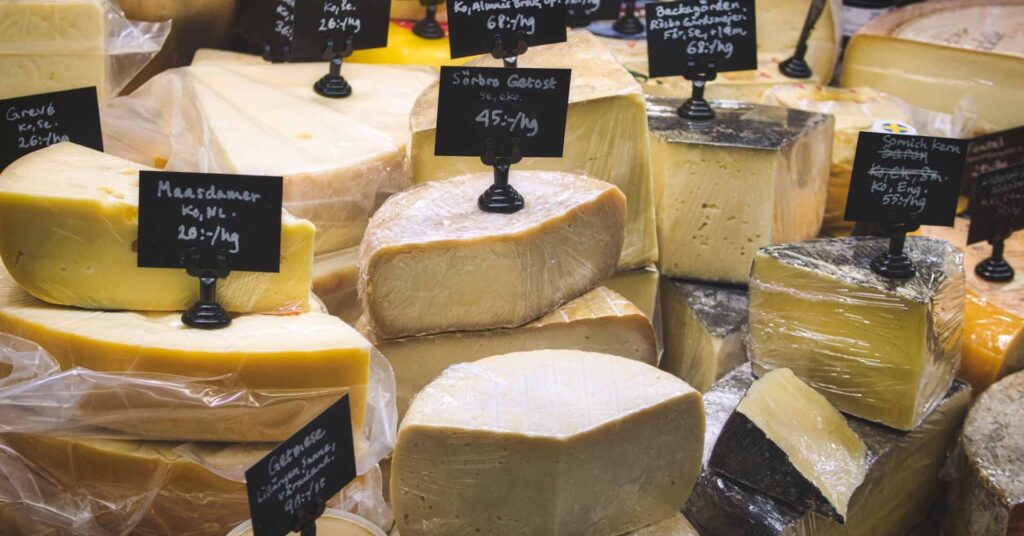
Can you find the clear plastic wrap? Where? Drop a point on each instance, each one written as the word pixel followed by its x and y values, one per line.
pixel 546 442
pixel 432 261
pixel 52 45
pixel 883 350
pixel 336 283
pixel 756 175
pixel 339 157
pixel 986 492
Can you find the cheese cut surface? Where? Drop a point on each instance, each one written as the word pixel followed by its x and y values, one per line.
pixel 605 107
pixel 757 176
pixel 336 282
pixel 432 261
pixel 599 321
pixel 520 444
pixel 68 231
pixel 932 55
pixel 676 525
pixel 639 287
pixel 878 349
pixel 703 328
pixel 789 442
pixel 900 487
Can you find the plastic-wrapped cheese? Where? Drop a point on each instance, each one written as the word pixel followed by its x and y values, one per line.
pixel 756 175
pixel 546 442
pixel 432 261
pixel 68 233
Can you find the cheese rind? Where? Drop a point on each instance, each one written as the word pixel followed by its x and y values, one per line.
pixel 432 261
pixel 520 443
pixel 336 283
pixel 605 108
pixel 756 175
pixel 880 349
pixel 68 232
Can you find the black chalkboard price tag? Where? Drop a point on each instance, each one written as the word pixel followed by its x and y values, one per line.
pixel 991 152
pixel 33 122
pixel 997 210
pixel 289 487
pixel 722 30
pixel 268 26
pixel 334 29
pixel 502 28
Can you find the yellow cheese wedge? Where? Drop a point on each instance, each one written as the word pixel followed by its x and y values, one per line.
pixel 406 48
pixel 335 282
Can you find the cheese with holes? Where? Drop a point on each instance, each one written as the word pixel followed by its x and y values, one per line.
pixel 703 329
pixel 335 282
pixel 756 175
pixel 305 360
pixel 432 261
pixel 788 442
pixel 599 321
pixel 339 157
pixel 934 54
pixel 901 483
pixel 880 349
pixel 522 443
pixel 69 230
pixel 986 496
pixel 604 135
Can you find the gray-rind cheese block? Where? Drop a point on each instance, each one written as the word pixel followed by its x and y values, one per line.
pixel 901 484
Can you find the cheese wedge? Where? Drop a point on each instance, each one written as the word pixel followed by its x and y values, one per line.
pixel 432 261
pixel 703 327
pixel 521 444
pixel 934 54
pixel 879 349
pixel 335 282
pixel 208 56
pixel 406 48
pixel 599 321
pixel 676 525
pixel 756 175
pixel 605 110
pixel 639 287
pixel 68 231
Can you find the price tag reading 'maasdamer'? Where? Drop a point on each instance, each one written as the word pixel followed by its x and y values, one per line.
pixel 36 121
pixel 477 104
pixel 721 30
pixel 473 24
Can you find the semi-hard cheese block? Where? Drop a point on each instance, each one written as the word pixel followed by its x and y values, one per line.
pixel 604 135
pixel 756 175
pixel 432 261
pixel 336 282
pixel 640 287
pixel 69 230
pixel 676 525
pixel 789 442
pixel 522 444
pixel 599 321
pixel 987 495
pixel 901 482
pixel 934 54
pixel 702 327
pixel 880 349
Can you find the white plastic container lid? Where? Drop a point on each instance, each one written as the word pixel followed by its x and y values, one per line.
pixel 332 523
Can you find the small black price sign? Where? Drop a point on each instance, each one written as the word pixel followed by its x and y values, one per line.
pixel 366 21
pixel 290 484
pixel 33 122
pixel 997 205
pixel 906 179
pixel 268 26
pixel 722 30
pixel 473 24
pixel 994 151
pixel 596 9
pixel 239 215
pixel 481 103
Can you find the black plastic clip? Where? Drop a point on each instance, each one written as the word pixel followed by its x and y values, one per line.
pixel 509 55
pixel 306 523
pixel 995 268
pixel 501 197
pixel 796 66
pixel 206 313
pixel 700 70
pixel 895 263
pixel 629 23
pixel 333 85
pixel 279 52
pixel 428 28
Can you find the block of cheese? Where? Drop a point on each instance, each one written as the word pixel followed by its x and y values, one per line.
pixel 788 442
pixel 639 287
pixel 880 349
pixel 406 48
pixel 987 495
pixel 413 10
pixel 703 329
pixel 676 525
pixel 599 321
pixel 936 53
pixel 308 359
pixel 339 157
pixel 605 135
pixel 432 261
pixel 15 523
pixel 754 176
pixel 521 443
pixel 206 56
pixel 901 482
pixel 780 22
pixel 68 231
pixel 335 282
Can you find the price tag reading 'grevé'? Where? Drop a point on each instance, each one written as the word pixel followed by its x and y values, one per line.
pixel 997 205
pixel 473 24
pixel 722 30
pixel 33 122
pixel 906 179
pixel 239 215
pixel 481 103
